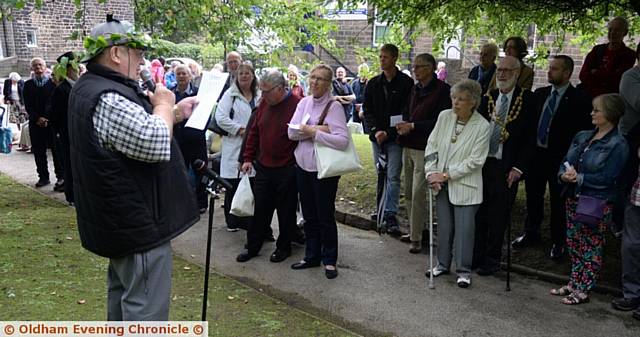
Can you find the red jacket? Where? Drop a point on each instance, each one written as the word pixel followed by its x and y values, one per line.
pixel 267 140
pixel 603 69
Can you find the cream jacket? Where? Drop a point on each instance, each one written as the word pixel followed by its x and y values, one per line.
pixel 463 160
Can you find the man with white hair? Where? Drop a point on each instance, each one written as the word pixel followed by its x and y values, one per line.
pixel 604 65
pixel 513 134
pixel 36 95
pixel 484 72
pixel 233 61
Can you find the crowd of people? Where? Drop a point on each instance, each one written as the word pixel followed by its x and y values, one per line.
pixel 129 153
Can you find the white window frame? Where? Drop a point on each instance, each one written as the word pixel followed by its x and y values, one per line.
pixel 377 24
pixel 35 37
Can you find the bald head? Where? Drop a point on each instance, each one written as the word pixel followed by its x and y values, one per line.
pixel 507 73
pixel 233 61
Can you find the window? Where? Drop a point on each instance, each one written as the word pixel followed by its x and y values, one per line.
pixel 380 31
pixel 532 35
pixel 32 40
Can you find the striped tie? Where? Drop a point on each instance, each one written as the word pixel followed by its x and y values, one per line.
pixel 495 134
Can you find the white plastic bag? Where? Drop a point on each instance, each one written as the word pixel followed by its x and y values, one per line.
pixel 243 204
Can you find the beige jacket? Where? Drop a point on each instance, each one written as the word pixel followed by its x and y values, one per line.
pixel 463 161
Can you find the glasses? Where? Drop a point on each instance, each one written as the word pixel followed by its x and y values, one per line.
pixel 138 52
pixel 270 90
pixel 316 78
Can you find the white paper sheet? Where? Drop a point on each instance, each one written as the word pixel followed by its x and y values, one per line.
pixel 394 120
pixel 210 88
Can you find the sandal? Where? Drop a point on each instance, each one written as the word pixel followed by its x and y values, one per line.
pixel 562 291
pixel 576 297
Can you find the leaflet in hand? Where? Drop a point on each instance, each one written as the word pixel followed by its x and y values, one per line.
pixel 305 119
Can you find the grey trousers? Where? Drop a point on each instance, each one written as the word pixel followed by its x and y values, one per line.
pixel 631 253
pixel 456 228
pixel 139 286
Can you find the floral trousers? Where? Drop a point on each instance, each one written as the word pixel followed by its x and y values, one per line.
pixel 585 245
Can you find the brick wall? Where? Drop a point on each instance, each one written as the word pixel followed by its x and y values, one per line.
pixel 54 23
pixel 350 34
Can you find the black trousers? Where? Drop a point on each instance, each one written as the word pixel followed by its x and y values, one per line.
pixel 494 214
pixel 273 189
pixel 318 197
pixel 545 171
pixel 41 139
pixel 64 151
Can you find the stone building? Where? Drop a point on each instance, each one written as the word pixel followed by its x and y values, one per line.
pixel 45 32
pixel 354 30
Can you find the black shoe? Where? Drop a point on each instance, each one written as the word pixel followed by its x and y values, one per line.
pixel 43 182
pixel 203 210
pixel 279 255
pixel 373 216
pixel 245 256
pixel 488 270
pixel 556 252
pixel 331 273
pixel 525 240
pixel 59 183
pixel 626 304
pixel 269 238
pixel 392 225
pixel 304 265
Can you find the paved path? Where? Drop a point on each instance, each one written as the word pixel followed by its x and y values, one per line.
pixel 382 289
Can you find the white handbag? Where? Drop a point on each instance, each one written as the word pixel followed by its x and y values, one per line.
pixel 331 162
pixel 242 204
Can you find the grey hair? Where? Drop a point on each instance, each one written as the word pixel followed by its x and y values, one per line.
pixel 14 77
pixel 325 68
pixel 471 87
pixel 275 78
pixel 183 67
pixel 36 59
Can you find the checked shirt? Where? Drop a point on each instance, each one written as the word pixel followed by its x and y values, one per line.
pixel 124 126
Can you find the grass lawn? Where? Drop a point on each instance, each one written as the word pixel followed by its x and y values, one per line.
pixel 46 275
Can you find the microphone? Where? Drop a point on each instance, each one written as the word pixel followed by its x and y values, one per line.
pixel 201 167
pixel 146 79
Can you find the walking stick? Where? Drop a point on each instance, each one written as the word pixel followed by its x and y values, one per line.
pixel 431 286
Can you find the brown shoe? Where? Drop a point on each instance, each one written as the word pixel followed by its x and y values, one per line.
pixel 415 247
pixel 406 238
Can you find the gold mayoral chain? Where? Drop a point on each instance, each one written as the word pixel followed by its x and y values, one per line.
pixel 456 131
pixel 512 115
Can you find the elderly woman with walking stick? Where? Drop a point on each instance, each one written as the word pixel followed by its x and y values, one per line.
pixel 456 151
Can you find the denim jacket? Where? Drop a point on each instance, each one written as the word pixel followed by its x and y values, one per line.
pixel 598 164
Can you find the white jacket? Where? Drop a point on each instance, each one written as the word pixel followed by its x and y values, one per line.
pixel 464 159
pixel 229 166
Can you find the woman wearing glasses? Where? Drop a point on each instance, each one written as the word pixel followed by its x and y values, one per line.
pixel 322 120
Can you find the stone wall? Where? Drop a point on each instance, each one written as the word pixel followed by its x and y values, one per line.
pixel 54 23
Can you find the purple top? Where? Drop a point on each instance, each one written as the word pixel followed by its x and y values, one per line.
pixel 338 138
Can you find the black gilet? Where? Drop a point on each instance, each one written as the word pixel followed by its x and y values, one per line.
pixel 123 205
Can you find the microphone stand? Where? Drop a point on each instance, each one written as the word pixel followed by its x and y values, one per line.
pixel 211 189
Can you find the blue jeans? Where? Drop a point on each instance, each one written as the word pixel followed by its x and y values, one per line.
pixel 394 168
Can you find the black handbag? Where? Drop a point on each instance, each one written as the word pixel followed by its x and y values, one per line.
pixel 213 124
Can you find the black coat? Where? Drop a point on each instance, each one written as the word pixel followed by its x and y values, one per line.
pixel 379 107
pixel 517 150
pixel 6 90
pixel 58 109
pixel 571 116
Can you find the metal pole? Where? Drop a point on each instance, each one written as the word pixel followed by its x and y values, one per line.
pixel 211 191
pixel 431 285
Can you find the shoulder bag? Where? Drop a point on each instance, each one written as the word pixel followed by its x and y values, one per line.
pixel 331 162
